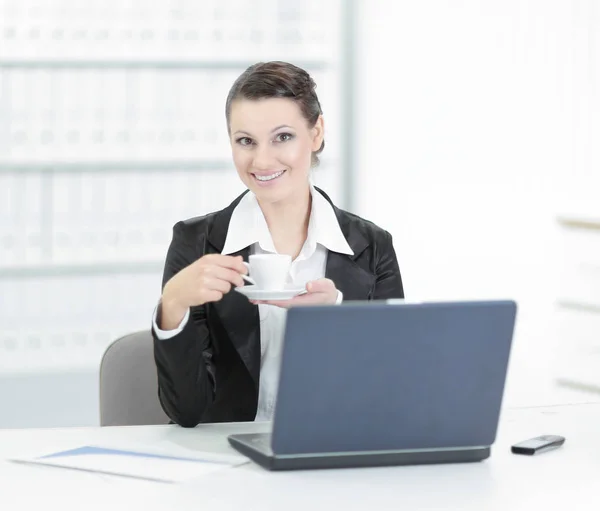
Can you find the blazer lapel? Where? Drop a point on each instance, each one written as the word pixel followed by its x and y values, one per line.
pixel 237 315
pixel 240 319
pixel 355 282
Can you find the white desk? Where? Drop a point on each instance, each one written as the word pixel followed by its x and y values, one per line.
pixel 566 478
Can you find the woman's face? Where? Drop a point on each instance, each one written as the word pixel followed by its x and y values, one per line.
pixel 272 147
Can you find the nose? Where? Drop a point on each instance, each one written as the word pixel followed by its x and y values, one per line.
pixel 264 157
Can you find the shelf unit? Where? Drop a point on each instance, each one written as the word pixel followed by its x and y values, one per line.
pixel 107 166
pixel 578 220
pixel 578 305
pixel 174 64
pixel 82 270
pixel 111 110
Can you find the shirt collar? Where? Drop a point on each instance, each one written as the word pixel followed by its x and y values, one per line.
pixel 248 226
pixel 323 226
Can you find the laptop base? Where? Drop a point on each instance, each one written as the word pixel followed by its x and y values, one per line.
pixel 254 446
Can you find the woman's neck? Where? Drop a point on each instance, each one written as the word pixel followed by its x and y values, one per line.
pixel 288 222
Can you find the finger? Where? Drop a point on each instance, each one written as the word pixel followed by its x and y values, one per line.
pixel 293 302
pixel 227 261
pixel 284 304
pixel 212 296
pixel 319 286
pixel 216 284
pixel 310 299
pixel 226 274
pixel 305 299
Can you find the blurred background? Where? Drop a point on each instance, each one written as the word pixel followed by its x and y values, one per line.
pixel 468 129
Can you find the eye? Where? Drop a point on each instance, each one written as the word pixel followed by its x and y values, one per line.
pixel 283 137
pixel 245 141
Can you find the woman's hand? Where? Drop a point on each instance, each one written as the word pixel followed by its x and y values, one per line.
pixel 203 281
pixel 318 292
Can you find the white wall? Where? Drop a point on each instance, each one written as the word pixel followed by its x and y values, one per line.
pixel 91 157
pixel 470 117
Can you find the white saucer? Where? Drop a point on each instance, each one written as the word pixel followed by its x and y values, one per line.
pixel 253 293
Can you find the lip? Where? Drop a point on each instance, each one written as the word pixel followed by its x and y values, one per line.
pixel 264 173
pixel 270 182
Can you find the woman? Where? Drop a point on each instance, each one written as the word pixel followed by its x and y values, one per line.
pixel 216 352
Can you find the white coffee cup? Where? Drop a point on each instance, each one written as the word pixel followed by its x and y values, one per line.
pixel 268 271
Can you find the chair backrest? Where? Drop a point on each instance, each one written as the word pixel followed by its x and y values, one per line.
pixel 128 383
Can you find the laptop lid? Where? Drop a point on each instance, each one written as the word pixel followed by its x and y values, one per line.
pixel 373 376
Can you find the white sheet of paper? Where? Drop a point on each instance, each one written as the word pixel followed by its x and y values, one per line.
pixel 138 464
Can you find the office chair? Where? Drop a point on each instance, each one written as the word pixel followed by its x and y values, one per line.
pixel 128 384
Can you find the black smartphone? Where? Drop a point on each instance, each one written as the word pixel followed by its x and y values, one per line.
pixel 538 444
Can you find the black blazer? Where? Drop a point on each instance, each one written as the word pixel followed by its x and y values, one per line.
pixel 209 372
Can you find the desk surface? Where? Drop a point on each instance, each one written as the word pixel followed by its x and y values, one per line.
pixel 561 478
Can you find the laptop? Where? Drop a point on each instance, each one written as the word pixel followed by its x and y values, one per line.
pixel 387 383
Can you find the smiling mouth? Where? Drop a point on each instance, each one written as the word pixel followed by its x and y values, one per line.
pixel 270 177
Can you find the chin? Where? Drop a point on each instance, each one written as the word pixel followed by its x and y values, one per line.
pixel 278 190
pixel 271 195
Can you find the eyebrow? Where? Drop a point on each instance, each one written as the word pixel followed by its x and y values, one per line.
pixel 272 131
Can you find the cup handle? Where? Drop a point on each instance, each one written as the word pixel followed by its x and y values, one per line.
pixel 246 277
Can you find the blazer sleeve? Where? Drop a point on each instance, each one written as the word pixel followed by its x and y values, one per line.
pixel 184 362
pixel 388 282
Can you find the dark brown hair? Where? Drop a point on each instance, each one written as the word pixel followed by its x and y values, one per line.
pixel 278 80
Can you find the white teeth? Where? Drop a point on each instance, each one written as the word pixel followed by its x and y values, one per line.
pixel 268 178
